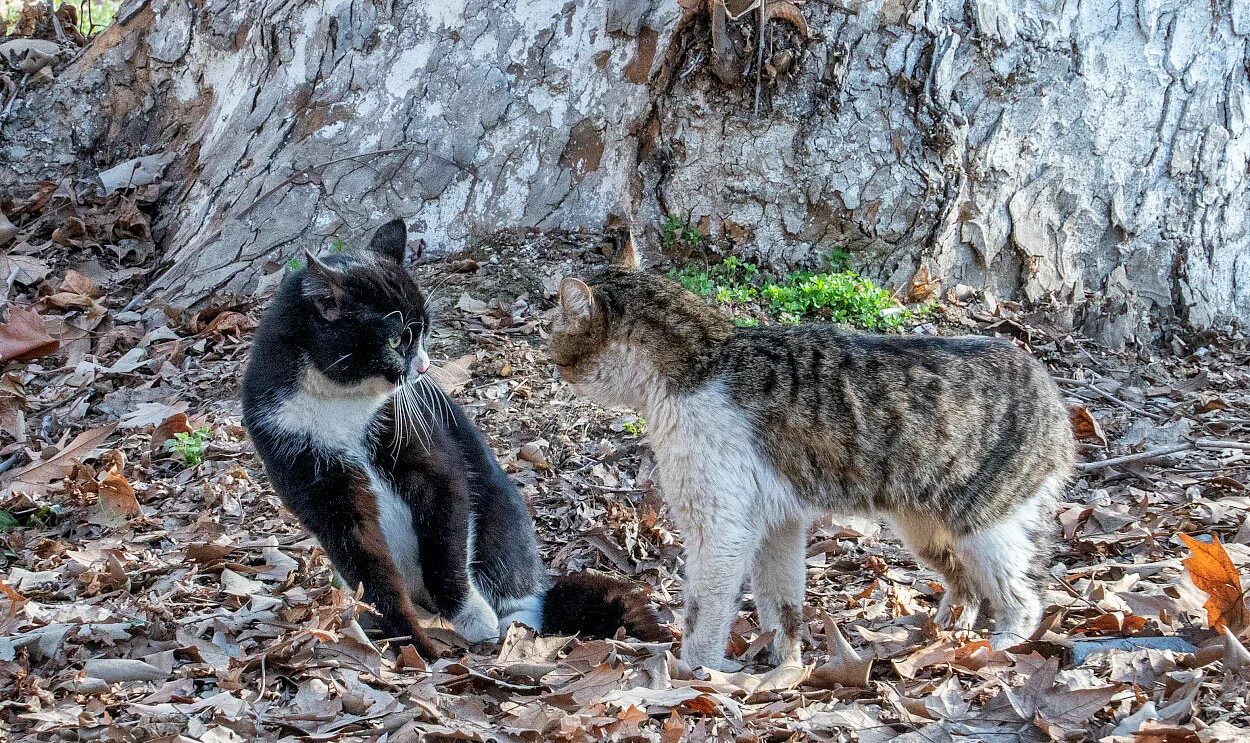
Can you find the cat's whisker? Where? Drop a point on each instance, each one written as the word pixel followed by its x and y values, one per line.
pixel 339 361
pixel 428 404
pixel 433 293
pixel 410 400
pixel 440 400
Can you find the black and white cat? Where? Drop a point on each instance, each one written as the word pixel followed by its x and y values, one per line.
pixel 390 474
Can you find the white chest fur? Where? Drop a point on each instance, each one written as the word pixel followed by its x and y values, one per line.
pixel 710 462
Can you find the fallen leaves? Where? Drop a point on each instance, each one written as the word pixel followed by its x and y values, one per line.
pixel 199 605
pixel 37 475
pixel 1213 572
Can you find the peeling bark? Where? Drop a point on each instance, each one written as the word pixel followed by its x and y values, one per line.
pixel 1093 149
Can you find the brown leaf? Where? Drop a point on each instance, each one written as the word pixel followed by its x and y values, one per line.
pixel 24 336
pixel 36 475
pixel 174 424
pixel 1213 572
pixel 118 496
pixel 77 283
pixel 1084 426
pixel 845 667
pixel 922 286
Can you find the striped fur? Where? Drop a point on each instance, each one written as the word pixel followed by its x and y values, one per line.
pixel 963 443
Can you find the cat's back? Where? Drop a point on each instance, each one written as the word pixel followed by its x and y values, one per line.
pixel 799 364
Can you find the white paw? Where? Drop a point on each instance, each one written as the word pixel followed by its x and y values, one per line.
pixel 527 611
pixel 531 619
pixel 476 621
pixel 946 615
pixel 709 659
pixel 785 652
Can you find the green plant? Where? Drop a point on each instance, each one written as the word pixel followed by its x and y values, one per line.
pixel 338 246
pixel 8 520
pixel 840 295
pixel 676 231
pixel 294 264
pixel 190 446
pixel 635 427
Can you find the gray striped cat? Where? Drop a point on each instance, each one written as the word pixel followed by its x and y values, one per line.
pixel 963 444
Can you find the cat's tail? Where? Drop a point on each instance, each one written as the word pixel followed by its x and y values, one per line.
pixel 598 605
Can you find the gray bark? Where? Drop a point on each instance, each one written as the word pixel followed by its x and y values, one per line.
pixel 1094 152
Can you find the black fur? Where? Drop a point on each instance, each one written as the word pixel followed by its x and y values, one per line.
pixel 357 320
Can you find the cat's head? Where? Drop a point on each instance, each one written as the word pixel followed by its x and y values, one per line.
pixel 368 324
pixel 626 335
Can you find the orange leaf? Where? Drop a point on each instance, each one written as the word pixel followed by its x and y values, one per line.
pixel 118 497
pixel 1213 572
pixel 1085 426
pixel 25 336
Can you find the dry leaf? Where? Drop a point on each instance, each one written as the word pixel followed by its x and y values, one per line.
pixel 35 476
pixel 1084 426
pixel 845 667
pixel 922 287
pixel 24 336
pixel 1213 572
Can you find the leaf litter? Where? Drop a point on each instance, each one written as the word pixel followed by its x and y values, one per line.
pixel 142 598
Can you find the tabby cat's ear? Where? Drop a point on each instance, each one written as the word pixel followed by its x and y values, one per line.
pixel 390 240
pixel 627 256
pixel 576 299
pixel 324 286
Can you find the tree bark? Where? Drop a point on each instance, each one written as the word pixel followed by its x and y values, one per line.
pixel 1093 152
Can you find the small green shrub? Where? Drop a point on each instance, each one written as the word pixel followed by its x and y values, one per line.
pixel 190 446
pixel 338 246
pixel 635 427
pixel 839 294
pixel 678 232
pixel 294 264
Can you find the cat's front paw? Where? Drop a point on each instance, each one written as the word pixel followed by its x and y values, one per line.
pixel 476 620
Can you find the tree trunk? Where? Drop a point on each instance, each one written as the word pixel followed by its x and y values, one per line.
pixel 1093 152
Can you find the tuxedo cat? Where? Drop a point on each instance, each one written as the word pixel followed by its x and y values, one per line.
pixel 390 474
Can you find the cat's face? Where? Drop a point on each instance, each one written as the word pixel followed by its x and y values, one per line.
pixel 603 342
pixel 580 340
pixel 630 337
pixel 370 325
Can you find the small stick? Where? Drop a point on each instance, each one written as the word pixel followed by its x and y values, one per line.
pixel 1163 451
pixel 1110 397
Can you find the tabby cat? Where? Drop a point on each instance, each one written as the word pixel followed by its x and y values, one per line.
pixel 962 443
pixel 390 474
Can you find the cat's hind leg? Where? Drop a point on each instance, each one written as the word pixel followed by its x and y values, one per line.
pixel 1006 560
pixel 778 582
pixel 934 545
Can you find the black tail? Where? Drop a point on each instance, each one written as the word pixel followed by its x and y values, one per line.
pixel 597 605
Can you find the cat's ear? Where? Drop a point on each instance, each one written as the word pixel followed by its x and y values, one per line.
pixel 627 256
pixel 391 240
pixel 576 299
pixel 324 286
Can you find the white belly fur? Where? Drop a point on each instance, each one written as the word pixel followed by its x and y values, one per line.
pixel 395 518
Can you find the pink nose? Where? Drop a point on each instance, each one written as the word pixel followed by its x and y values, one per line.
pixel 422 369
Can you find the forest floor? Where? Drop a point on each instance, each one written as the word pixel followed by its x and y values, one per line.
pixel 154 589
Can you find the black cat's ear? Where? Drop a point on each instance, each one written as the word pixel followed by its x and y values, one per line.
pixel 390 240
pixel 324 286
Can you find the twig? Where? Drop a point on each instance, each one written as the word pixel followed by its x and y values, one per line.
pixel 1110 397
pixel 1164 451
pixel 7 464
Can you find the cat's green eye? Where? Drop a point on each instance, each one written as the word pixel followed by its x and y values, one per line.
pixel 394 342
